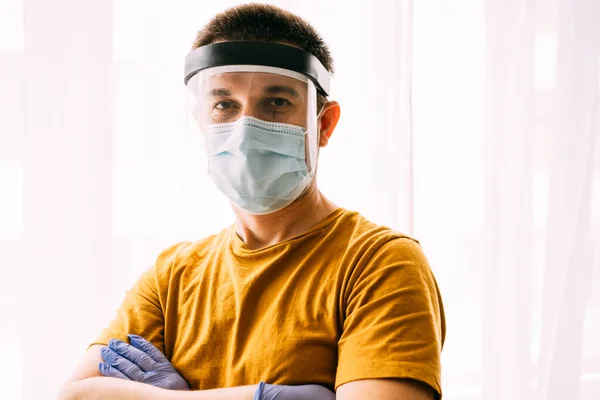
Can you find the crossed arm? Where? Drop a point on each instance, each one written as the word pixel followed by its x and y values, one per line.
pixel 87 383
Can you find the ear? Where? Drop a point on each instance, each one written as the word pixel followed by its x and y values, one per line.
pixel 330 116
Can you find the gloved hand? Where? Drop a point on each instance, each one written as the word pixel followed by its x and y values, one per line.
pixel 266 391
pixel 140 362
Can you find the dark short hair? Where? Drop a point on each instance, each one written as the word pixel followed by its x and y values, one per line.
pixel 268 23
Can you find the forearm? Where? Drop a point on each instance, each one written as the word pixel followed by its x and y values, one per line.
pixel 102 388
pixel 233 393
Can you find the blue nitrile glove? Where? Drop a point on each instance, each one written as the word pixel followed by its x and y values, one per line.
pixel 266 391
pixel 140 362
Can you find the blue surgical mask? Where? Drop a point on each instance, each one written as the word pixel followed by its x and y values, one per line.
pixel 260 166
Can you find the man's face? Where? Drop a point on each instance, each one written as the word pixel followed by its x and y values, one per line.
pixel 228 97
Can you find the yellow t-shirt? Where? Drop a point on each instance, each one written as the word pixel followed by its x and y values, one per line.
pixel 346 300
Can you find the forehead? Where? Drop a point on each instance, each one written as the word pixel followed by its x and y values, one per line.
pixel 247 80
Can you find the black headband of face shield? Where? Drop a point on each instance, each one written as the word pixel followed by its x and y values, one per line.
pixel 257 53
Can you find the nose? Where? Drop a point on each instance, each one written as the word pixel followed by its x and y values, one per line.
pixel 250 109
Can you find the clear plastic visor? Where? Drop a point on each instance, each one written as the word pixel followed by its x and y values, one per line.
pixel 221 96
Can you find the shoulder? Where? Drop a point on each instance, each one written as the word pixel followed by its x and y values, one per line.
pixel 367 239
pixel 182 254
pixel 361 228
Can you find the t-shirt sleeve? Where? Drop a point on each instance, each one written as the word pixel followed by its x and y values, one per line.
pixel 141 312
pixel 394 325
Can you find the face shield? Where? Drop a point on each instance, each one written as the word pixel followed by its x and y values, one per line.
pixel 254 105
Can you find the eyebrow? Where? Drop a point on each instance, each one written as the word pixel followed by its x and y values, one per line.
pixel 273 89
pixel 219 92
pixel 277 89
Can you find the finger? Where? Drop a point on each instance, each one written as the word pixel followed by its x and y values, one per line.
pixel 272 391
pixel 128 368
pixel 136 356
pixel 111 372
pixel 148 348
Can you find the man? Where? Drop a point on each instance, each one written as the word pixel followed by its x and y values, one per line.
pixel 299 298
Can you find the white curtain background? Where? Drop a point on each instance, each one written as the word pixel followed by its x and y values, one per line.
pixel 473 125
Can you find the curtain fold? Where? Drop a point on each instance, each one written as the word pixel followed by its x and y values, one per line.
pixel 67 175
pixel 570 248
pixel 508 230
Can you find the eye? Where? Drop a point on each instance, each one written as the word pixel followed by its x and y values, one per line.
pixel 224 105
pixel 279 102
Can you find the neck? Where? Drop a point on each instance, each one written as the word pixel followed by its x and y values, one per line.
pixel 258 231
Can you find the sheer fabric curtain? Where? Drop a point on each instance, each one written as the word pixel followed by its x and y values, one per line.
pixel 473 125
